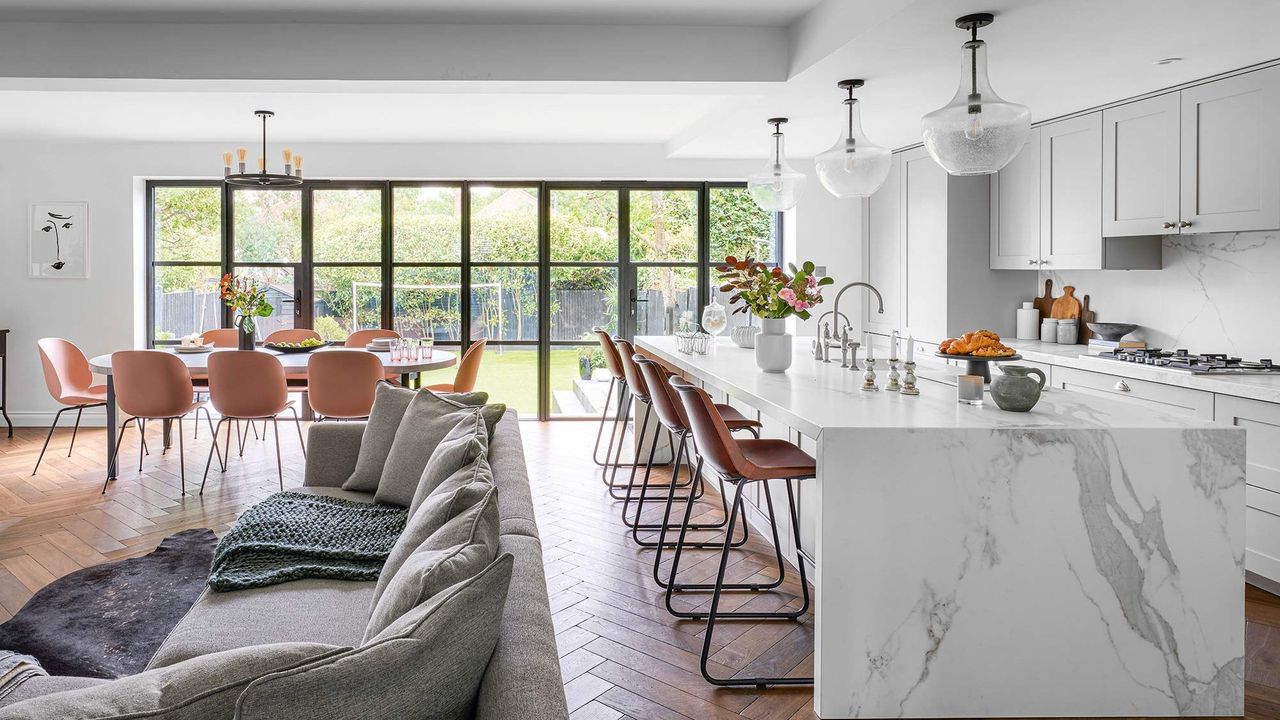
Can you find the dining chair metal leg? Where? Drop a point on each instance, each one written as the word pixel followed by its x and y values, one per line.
pixel 604 415
pixel 52 427
pixel 297 422
pixel 116 455
pixel 275 425
pixel 712 614
pixel 75 429
pixel 209 461
pixel 182 460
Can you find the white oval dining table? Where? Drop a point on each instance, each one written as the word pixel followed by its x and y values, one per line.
pixel 294 364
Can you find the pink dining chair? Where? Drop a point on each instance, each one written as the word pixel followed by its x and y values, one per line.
pixel 70 383
pixel 221 337
pixel 248 385
pixel 154 385
pixel 361 338
pixel 468 370
pixel 341 383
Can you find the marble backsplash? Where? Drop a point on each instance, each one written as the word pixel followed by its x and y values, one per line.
pixel 1216 293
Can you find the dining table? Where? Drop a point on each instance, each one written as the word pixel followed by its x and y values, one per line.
pixel 295 368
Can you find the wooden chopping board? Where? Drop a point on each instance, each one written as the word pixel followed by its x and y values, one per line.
pixel 1044 303
pixel 1086 316
pixel 1067 306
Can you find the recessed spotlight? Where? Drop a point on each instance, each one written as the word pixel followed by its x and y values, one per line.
pixel 1168 61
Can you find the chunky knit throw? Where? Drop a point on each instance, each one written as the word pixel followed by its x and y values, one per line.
pixel 290 536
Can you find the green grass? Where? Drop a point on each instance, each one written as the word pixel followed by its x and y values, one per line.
pixel 510 376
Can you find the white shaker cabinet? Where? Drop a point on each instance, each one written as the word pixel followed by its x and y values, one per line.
pixel 925 243
pixel 1071 194
pixel 1015 210
pixel 882 250
pixel 1261 422
pixel 1231 154
pixel 1140 167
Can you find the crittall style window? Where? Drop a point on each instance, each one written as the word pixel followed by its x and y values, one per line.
pixel 529 266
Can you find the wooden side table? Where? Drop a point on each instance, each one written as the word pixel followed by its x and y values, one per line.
pixel 4 378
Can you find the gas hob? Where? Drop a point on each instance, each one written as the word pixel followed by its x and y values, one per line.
pixel 1200 364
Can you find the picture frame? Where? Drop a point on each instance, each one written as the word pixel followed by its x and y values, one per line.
pixel 58 240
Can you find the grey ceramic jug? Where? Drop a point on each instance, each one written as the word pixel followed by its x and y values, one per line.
pixel 1015 390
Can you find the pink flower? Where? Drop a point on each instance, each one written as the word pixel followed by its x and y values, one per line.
pixel 811 281
pixel 788 295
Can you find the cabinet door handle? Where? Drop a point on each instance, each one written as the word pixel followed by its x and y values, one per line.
pixel 1168 225
pixel 1033 262
pixel 1044 262
pixel 1122 386
pixel 1185 223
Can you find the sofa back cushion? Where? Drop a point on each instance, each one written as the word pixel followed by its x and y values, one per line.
pixel 390 403
pixel 426 664
pixel 197 689
pixel 460 549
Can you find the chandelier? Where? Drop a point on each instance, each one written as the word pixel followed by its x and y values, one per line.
pixel 292 164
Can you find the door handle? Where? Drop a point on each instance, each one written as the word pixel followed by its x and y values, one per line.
pixel 297 303
pixel 1184 223
pixel 635 298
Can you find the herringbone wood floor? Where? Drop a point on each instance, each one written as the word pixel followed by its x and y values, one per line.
pixel 621 653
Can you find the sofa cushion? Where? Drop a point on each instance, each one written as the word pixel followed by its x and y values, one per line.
pixel 462 547
pixel 459 494
pixel 41 685
pixel 203 688
pixel 428 664
pixel 333 612
pixel 457 451
pixel 389 406
pixel 428 420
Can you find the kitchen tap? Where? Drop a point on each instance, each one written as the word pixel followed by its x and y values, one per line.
pixel 836 309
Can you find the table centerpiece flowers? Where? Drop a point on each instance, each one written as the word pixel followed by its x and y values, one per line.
pixel 772 295
pixel 247 298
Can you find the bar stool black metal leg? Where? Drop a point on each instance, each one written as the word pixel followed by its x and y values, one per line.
pixel 795 529
pixel 637 526
pixel 712 614
pixel 604 415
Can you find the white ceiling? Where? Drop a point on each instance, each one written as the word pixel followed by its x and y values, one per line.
pixel 1056 56
pixel 760 13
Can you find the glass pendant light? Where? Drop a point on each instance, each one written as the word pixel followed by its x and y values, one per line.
pixel 777 186
pixel 854 166
pixel 977 133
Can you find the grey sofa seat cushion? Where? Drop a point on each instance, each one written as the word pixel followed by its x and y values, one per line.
pixel 458 550
pixel 523 680
pixel 41 685
pixel 333 612
pixel 457 450
pixel 464 490
pixel 426 423
pixel 203 688
pixel 427 665
pixel 390 403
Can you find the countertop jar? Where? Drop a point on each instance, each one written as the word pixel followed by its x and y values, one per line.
pixel 1068 332
pixel 1049 330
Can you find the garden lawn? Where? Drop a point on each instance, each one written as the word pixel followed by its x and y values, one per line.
pixel 510 375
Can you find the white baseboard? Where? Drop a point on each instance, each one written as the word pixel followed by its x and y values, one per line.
pixel 93 417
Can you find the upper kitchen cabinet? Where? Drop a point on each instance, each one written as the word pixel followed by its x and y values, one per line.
pixel 1195 161
pixel 926 251
pixel 882 251
pixel 1231 155
pixel 1140 167
pixel 1015 210
pixel 1071 194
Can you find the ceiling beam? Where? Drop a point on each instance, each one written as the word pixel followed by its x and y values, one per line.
pixel 393 52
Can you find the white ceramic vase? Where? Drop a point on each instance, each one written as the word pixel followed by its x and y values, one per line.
pixel 773 345
pixel 744 336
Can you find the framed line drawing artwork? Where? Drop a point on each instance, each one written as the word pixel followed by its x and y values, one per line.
pixel 58 240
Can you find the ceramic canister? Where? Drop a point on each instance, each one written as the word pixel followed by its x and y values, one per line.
pixel 1068 332
pixel 1049 330
pixel 1028 322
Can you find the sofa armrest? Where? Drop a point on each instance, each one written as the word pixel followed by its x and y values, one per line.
pixel 332 449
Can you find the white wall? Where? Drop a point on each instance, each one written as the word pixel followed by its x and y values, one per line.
pixel 1215 293
pixel 105 312
pixel 828 231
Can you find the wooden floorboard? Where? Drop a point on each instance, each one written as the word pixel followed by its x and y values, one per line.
pixel 623 656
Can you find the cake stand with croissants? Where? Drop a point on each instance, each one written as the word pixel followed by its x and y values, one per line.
pixel 978 364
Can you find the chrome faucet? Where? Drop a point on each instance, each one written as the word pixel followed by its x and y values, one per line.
pixel 869 286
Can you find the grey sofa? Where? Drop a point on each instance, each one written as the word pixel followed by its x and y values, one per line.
pixel 523 676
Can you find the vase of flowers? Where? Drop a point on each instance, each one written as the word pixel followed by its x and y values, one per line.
pixel 771 295
pixel 248 300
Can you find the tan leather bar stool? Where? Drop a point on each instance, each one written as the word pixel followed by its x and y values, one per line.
pixel 670 412
pixel 637 391
pixel 740 462
pixel 616 380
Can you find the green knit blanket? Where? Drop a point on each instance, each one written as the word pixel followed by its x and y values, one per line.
pixel 290 536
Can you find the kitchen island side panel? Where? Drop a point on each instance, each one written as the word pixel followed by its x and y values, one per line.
pixel 1031 572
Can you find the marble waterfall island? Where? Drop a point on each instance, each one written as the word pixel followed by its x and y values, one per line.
pixel 1083 559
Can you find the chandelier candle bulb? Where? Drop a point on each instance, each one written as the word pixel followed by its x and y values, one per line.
pixel 297 165
pixel 226 163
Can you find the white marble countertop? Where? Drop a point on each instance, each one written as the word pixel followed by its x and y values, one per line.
pixel 1258 387
pixel 812 396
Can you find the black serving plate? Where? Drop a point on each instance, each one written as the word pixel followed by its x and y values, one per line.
pixel 293 350
pixel 977 365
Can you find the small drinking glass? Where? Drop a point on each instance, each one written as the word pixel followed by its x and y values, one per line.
pixel 397 350
pixel 428 347
pixel 412 350
pixel 969 389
